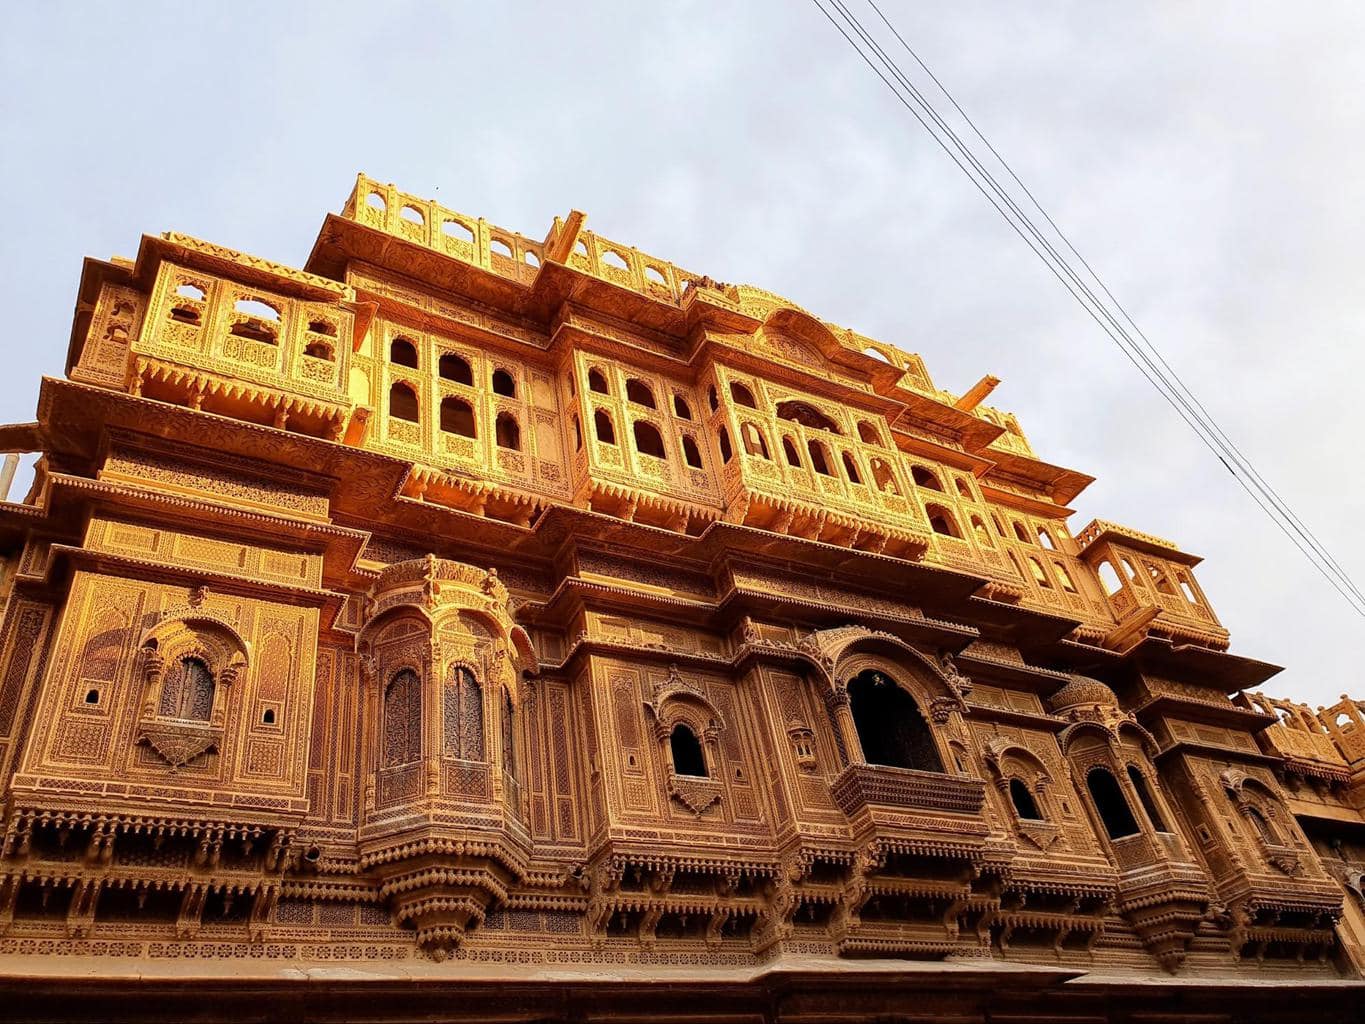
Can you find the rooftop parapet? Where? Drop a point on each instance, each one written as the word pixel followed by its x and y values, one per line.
pixel 1326 743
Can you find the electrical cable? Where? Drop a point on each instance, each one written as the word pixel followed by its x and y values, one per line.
pixel 1175 392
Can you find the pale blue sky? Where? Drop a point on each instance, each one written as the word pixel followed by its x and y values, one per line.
pixel 1207 158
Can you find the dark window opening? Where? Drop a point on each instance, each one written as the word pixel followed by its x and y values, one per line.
pixel 452 367
pixel 725 452
pixel 318 350
pixel 711 398
pixel 648 441
pixel 503 384
pixel 268 716
pixel 793 457
pixel 741 395
pixel 681 409
pixel 923 478
pixel 850 470
pixel 1109 801
pixel 403 353
pixel 688 758
pixel 606 431
pixel 817 458
pixel 403 403
pixel 507 431
pixel 890 727
pixel 1024 804
pixel 640 393
pixel 457 417
pixel 92 696
pixel 597 382
pixel 941 521
pixel 868 432
pixel 691 453
pixel 1145 798
pixel 577 435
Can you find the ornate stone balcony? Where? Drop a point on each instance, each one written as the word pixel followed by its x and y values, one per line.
pixel 867 785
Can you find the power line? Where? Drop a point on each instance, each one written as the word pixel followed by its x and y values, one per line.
pixel 1162 376
pixel 1198 407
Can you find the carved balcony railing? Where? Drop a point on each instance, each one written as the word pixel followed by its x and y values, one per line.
pixel 861 785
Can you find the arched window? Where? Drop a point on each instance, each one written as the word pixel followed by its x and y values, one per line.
pixel 711 398
pixel 1262 827
pixel 1145 798
pixel 640 393
pixel 725 451
pixel 688 757
pixel 602 426
pixel 187 691
pixel 1064 577
pixel 402 352
pixel 1128 567
pixel 403 402
pixel 890 727
pixel 462 715
pixel 868 432
pixel 1109 801
pixel 983 535
pixel 507 431
pixel 1020 533
pixel 457 417
pixel 648 440
pixel 1045 539
pixel 1163 585
pixel 402 719
pixel 503 384
pixel 681 409
pixel 924 478
pixel 941 521
pixel 963 488
pixel 886 480
pixel 1039 576
pixel 452 367
pixel 817 457
pixel 577 434
pixel 789 448
pixel 1109 578
pixel 597 382
pixel 741 395
pixel 850 470
pixel 1024 804
pixel 319 350
pixel 691 453
pixel 754 441
pixel 807 415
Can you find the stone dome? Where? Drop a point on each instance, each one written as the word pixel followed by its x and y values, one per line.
pixel 1082 691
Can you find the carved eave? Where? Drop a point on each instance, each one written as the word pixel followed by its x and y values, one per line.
pixel 1231 672
pixel 941 451
pixel 1100 531
pixel 66 556
pixel 1019 623
pixel 1060 484
pixel 925 413
pixel 1188 709
pixel 76 415
pixel 220 261
pixel 1018 675
pixel 340 548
